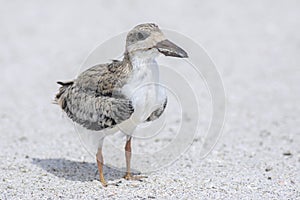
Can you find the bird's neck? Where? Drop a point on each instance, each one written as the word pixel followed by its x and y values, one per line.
pixel 140 59
pixel 143 63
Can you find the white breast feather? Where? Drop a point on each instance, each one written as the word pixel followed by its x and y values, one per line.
pixel 144 89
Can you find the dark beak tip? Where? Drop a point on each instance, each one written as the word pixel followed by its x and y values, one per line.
pixel 185 55
pixel 181 54
pixel 168 48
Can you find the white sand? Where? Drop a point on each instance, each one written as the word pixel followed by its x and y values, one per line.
pixel 255 45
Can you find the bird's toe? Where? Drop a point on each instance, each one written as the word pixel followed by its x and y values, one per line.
pixel 129 176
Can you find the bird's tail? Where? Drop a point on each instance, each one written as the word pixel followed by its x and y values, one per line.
pixel 62 89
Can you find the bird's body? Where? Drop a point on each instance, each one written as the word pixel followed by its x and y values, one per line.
pixel 119 96
pixel 106 95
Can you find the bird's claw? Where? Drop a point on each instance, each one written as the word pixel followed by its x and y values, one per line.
pixel 105 184
pixel 128 177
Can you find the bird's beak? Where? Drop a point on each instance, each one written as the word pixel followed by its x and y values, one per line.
pixel 168 48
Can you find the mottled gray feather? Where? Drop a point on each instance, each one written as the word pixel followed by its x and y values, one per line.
pixel 94 99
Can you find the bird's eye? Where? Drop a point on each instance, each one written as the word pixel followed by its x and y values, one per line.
pixel 140 36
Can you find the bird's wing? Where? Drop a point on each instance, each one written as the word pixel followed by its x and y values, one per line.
pixel 158 112
pixel 91 101
pixel 104 79
pixel 96 113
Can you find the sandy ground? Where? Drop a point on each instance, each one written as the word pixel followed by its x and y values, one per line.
pixel 255 45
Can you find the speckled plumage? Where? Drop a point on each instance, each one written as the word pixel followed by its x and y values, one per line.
pixel 95 100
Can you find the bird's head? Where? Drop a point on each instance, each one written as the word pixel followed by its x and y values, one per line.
pixel 148 40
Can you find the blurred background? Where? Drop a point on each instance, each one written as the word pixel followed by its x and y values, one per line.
pixel 255 46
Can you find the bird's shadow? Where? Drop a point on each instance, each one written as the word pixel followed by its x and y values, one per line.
pixel 75 170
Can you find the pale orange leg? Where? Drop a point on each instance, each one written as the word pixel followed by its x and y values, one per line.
pixel 128 175
pixel 99 158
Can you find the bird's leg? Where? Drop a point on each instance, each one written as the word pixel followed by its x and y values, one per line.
pixel 99 158
pixel 128 175
pixel 128 158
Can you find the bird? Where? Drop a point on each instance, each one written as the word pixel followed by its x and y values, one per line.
pixel 120 95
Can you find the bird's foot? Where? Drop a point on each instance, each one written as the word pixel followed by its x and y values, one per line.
pixel 129 176
pixel 103 182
